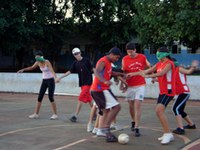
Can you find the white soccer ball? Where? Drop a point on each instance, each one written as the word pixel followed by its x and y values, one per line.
pixel 123 138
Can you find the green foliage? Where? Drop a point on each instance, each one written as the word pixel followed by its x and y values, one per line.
pixel 24 23
pixel 162 22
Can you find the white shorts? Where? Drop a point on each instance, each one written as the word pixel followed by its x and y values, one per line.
pixel 104 99
pixel 111 100
pixel 135 93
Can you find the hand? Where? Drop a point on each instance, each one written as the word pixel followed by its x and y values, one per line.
pixel 20 71
pixel 153 80
pixel 108 82
pixel 195 63
pixel 57 80
pixel 123 87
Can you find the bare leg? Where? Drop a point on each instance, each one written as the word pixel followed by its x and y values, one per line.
pixel 53 105
pixel 111 114
pixel 132 110
pixel 137 112
pixel 188 120
pixel 78 108
pixel 160 111
pixel 37 109
pixel 92 113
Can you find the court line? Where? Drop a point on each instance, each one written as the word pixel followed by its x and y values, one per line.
pixel 71 144
pixel 27 129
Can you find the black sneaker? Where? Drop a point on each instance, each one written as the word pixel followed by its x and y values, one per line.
pixel 132 126
pixel 111 138
pixel 190 127
pixel 73 119
pixel 179 131
pixel 137 132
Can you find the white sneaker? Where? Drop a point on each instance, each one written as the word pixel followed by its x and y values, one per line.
pixel 160 138
pixel 54 117
pixel 167 138
pixel 34 116
pixel 99 133
pixel 94 131
pixel 89 127
pixel 115 127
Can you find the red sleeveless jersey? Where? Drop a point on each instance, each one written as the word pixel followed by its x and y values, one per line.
pixel 134 65
pixel 167 81
pixel 181 83
pixel 98 85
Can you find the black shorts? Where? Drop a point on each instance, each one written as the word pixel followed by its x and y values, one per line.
pixel 164 99
pixel 104 99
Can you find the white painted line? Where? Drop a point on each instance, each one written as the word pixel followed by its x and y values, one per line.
pixel 71 144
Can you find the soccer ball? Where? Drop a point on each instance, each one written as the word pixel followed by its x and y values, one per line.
pixel 123 138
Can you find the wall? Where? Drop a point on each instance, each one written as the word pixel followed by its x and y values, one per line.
pixel 30 83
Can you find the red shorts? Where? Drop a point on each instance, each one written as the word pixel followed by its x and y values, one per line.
pixel 85 95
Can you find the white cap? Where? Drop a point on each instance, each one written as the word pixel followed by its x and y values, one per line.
pixel 76 50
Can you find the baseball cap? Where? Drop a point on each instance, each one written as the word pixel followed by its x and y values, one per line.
pixel 76 50
pixel 130 46
pixel 115 51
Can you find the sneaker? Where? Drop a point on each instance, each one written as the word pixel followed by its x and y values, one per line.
pixel 132 126
pixel 179 131
pixel 94 131
pixel 73 119
pixel 89 127
pixel 100 133
pixel 115 127
pixel 167 138
pixel 137 132
pixel 111 138
pixel 34 116
pixel 190 127
pixel 54 117
pixel 160 138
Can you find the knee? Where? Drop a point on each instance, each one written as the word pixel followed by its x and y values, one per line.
pixel 39 100
pixel 118 108
pixel 174 110
pixel 159 111
pixel 51 100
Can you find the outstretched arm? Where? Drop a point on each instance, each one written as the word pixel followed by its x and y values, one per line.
pixel 35 65
pixel 64 75
pixel 194 65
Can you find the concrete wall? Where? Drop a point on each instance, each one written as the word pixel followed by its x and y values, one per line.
pixel 30 83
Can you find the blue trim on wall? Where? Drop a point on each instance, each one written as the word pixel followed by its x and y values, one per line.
pixel 183 58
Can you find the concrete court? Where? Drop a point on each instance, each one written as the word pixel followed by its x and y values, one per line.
pixel 18 132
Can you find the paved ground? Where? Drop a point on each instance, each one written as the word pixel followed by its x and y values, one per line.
pixel 18 132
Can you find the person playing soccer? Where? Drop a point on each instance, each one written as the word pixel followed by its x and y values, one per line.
pixel 135 62
pixel 107 103
pixel 83 67
pixel 165 73
pixel 183 94
pixel 48 81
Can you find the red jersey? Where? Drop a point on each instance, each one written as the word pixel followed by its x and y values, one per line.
pixel 98 85
pixel 167 81
pixel 134 65
pixel 181 83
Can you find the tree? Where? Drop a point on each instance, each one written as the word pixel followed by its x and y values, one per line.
pixel 161 22
pixel 24 23
pixel 108 23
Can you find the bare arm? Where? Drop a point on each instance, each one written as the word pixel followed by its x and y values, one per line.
pixel 62 76
pixel 148 65
pixel 194 65
pixel 164 71
pixel 97 73
pixel 51 68
pixel 35 65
